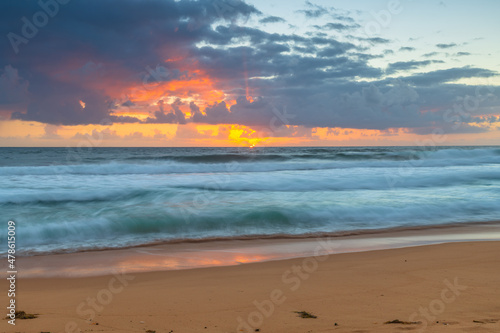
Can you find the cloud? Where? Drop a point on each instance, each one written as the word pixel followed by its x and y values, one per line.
pixel 272 19
pixel 408 65
pixel 105 134
pixel 450 128
pixel 174 116
pixel 374 40
pixel 430 54
pixel 51 133
pixel 337 26
pixel 111 136
pixel 188 62
pixel 407 48
pixel 77 57
pixel 446 46
pixel 58 103
pixel 448 75
pixel 313 11
pixel 13 88
pixel 159 134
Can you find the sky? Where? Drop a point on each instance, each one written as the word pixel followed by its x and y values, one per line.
pixel 168 73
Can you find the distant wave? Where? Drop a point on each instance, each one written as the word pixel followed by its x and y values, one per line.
pixel 268 163
pixel 332 155
pixel 126 187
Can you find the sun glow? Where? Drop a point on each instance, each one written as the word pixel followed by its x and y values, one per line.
pixel 245 136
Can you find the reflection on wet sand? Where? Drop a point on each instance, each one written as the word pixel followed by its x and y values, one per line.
pixel 233 252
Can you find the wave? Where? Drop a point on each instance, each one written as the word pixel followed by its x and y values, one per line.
pixel 67 189
pixel 333 154
pixel 94 232
pixel 303 236
pixel 226 163
pixel 58 196
pixel 220 158
pixel 120 197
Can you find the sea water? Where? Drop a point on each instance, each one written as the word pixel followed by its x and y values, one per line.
pixel 68 199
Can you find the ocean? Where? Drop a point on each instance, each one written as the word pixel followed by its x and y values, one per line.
pixel 70 200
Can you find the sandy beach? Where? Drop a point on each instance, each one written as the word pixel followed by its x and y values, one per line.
pixel 434 288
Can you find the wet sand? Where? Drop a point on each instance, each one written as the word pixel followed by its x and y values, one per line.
pixel 449 287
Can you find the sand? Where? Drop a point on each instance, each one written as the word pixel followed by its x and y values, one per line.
pixel 450 287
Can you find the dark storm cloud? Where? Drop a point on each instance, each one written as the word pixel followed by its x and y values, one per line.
pixel 116 30
pixel 215 114
pixel 368 106
pixel 59 103
pixel 450 128
pixel 266 58
pixel 447 75
pixel 312 81
pixel 173 116
pixel 127 36
pixel 13 88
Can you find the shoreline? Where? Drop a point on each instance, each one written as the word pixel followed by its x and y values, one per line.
pixel 223 252
pixel 437 288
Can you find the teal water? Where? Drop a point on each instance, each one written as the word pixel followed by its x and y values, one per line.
pixel 79 199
